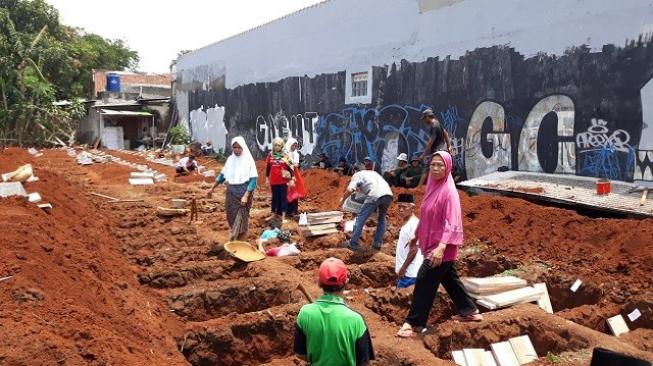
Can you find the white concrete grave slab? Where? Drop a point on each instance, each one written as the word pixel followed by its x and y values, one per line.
pixel 492 285
pixel 523 349
pixel 458 358
pixel 141 181
pixel 489 359
pixel 576 285
pixel 544 302
pixel 512 297
pixel 34 197
pixel 634 315
pixel 141 175
pixel 504 354
pixel 8 189
pixel 474 356
pixel 618 325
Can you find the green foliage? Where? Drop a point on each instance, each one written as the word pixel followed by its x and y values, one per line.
pixel 178 135
pixel 552 358
pixel 42 61
pixel 220 156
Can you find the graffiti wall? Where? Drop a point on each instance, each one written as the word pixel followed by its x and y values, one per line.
pixel 582 113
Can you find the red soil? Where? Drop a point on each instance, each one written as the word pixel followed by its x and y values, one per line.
pixel 73 298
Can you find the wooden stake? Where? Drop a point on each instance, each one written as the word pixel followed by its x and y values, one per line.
pixel 644 196
pixel 308 296
pixel 2 279
pixel 104 196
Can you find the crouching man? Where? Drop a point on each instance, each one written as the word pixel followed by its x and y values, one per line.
pixel 328 332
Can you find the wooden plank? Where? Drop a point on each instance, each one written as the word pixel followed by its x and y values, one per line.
pixel 458 358
pixel 544 301
pixel 514 296
pixel 618 325
pixel 474 356
pixel 523 349
pixel 504 354
pixel 103 196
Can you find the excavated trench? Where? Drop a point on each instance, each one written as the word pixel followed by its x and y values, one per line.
pixel 249 339
pixel 546 333
pixel 244 296
pixel 198 271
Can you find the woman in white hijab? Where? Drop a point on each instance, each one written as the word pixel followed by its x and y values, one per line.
pixel 293 154
pixel 240 175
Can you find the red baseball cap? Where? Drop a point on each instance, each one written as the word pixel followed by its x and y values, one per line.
pixel 333 272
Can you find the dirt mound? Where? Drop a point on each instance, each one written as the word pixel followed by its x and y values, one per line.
pixel 73 298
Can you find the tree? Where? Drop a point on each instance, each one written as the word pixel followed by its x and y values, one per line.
pixel 41 61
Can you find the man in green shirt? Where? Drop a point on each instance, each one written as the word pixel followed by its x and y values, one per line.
pixel 328 332
pixel 412 175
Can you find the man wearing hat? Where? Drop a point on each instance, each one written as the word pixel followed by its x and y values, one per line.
pixel 394 176
pixel 408 257
pixel 370 164
pixel 328 332
pixel 413 174
pixel 438 138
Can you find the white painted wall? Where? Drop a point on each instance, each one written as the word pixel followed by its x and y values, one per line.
pixel 353 35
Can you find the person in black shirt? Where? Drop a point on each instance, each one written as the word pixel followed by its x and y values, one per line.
pixel 438 140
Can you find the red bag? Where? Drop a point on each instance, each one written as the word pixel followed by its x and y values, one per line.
pixel 299 190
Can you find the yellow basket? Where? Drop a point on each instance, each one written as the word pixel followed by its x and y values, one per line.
pixel 243 251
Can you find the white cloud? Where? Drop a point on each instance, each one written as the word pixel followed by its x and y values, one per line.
pixel 160 29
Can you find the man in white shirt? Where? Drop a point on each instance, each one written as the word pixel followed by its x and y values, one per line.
pixel 186 165
pixel 409 258
pixel 378 196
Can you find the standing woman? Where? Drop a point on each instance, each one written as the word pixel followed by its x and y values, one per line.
pixel 279 173
pixel 293 155
pixel 240 175
pixel 440 233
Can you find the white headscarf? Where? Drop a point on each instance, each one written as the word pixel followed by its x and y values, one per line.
pixel 239 169
pixel 294 155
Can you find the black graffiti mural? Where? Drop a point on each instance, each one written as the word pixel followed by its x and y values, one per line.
pixel 580 113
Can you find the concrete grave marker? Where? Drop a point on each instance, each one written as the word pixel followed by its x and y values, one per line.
pixel 618 325
pixel 489 359
pixel 512 297
pixel 474 356
pixel 141 181
pixel 12 189
pixel 544 301
pixel 634 315
pixel 458 358
pixel 504 354
pixel 523 349
pixel 34 197
pixel 576 285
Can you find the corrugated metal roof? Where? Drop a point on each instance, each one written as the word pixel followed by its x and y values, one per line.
pixel 125 113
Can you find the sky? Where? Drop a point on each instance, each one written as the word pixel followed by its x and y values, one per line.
pixel 159 29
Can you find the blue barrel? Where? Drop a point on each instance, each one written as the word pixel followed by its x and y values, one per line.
pixel 113 83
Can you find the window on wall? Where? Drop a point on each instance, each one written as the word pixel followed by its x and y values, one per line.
pixel 359 84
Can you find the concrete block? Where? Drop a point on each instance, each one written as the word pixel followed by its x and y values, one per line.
pixel 474 356
pixel 489 359
pixel 512 297
pixel 141 181
pixel 489 285
pixel 458 358
pixel 544 301
pixel 141 175
pixel 618 325
pixel 8 189
pixel 523 349
pixel 34 197
pixel 503 354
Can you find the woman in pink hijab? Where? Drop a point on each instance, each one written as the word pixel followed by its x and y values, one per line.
pixel 440 233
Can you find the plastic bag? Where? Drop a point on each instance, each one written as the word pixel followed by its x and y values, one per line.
pixel 298 190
